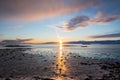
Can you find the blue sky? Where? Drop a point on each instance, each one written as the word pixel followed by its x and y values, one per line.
pixel 38 20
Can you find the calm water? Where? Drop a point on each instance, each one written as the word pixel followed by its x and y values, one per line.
pixel 99 51
pixel 94 51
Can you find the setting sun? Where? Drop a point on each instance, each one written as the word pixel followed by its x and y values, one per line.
pixel 60 43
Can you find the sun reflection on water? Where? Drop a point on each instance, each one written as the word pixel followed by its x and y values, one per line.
pixel 60 63
pixel 60 43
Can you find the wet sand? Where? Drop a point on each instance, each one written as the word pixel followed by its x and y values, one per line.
pixel 19 64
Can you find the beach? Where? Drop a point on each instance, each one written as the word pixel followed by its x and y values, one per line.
pixel 23 64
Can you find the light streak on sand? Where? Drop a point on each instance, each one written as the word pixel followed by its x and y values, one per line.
pixel 61 67
pixel 60 62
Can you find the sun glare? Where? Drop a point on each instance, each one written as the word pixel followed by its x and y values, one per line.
pixel 60 43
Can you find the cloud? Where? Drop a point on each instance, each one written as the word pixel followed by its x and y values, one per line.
pixel 85 21
pixel 79 21
pixel 101 18
pixel 39 9
pixel 115 35
pixel 17 41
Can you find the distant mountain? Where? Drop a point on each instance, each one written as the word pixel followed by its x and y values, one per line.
pixel 49 43
pixel 16 46
pixel 82 42
pixel 95 42
pixel 89 42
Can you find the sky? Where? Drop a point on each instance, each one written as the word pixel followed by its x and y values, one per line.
pixel 39 21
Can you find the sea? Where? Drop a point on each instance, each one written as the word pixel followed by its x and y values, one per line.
pixel 96 51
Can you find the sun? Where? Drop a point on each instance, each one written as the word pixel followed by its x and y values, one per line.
pixel 60 43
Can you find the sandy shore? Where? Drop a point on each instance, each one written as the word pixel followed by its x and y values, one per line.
pixel 18 64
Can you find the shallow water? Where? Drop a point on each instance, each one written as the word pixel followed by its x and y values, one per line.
pixel 111 51
pixel 69 63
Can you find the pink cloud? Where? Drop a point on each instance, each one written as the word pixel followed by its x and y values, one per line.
pixel 39 9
